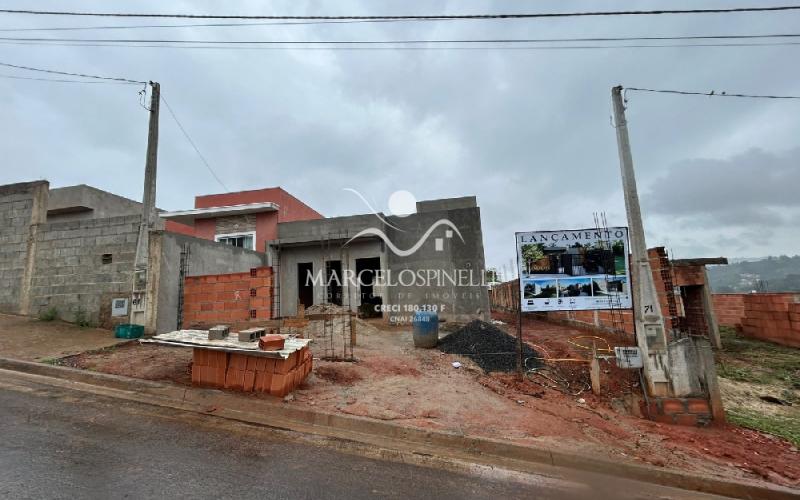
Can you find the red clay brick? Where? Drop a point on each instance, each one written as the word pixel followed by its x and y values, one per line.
pixel 249 380
pixel 672 406
pixel 278 384
pixel 700 406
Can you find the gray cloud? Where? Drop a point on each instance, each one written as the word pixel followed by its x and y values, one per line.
pixel 528 132
pixel 752 188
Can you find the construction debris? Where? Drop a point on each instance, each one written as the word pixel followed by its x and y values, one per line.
pixel 251 334
pixel 271 343
pixel 488 346
pixel 218 332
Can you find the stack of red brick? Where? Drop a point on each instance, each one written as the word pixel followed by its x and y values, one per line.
pixel 233 299
pixel 680 411
pixel 243 372
pixel 774 317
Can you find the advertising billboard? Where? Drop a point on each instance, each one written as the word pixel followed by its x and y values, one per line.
pixel 574 270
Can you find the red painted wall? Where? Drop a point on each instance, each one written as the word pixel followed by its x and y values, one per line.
pixel 290 209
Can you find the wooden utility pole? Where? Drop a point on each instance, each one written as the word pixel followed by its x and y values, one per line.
pixel 649 321
pixel 149 216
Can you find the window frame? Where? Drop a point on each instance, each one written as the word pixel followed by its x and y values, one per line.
pixel 217 238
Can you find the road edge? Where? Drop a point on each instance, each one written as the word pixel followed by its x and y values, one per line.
pixel 426 443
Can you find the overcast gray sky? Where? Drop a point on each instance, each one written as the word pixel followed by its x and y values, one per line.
pixel 526 131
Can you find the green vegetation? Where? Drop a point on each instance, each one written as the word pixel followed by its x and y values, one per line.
pixel 772 274
pixel 783 426
pixel 49 314
pixel 775 368
pixel 81 318
pixel 749 360
pixel 532 252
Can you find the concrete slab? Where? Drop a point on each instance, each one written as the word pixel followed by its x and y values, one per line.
pixel 29 339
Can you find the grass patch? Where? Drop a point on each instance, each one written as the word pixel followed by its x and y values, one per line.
pixel 749 360
pixel 777 425
pixel 49 314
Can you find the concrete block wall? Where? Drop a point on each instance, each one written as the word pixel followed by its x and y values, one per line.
pixel 70 272
pixel 235 299
pixel 16 206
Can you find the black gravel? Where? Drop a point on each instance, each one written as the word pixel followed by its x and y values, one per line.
pixel 490 347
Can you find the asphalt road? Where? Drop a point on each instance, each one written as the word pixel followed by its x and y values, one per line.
pixel 62 444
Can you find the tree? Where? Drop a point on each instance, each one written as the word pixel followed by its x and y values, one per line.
pixel 532 253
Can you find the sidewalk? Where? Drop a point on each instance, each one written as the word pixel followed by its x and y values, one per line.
pixel 27 338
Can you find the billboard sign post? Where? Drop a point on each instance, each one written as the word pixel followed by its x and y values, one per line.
pixel 574 270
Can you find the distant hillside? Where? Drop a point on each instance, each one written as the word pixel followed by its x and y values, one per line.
pixel 771 274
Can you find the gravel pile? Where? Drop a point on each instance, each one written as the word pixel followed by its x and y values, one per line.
pixel 490 347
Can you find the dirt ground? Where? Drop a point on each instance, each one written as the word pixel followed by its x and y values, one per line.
pixel 393 381
pixel 760 384
pixel 30 339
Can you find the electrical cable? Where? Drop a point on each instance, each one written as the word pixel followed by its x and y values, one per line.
pixel 201 25
pixel 410 17
pixel 66 73
pixel 713 93
pixel 57 80
pixel 399 48
pixel 405 42
pixel 196 149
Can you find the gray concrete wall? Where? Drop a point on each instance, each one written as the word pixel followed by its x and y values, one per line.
pixel 292 255
pixel 463 261
pixel 304 242
pixel 446 204
pixel 84 202
pixel 69 273
pixel 17 205
pixel 205 257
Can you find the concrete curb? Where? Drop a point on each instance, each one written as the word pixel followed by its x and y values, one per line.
pixel 376 433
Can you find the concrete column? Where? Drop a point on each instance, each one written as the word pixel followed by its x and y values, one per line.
pixel 40 195
pixel 711 317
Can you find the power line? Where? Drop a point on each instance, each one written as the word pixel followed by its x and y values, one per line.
pixel 58 80
pixel 404 42
pixel 321 46
pixel 712 93
pixel 186 134
pixel 202 25
pixel 411 17
pixel 66 73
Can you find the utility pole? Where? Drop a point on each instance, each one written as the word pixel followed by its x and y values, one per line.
pixel 149 216
pixel 648 319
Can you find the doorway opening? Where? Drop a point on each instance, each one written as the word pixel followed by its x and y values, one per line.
pixel 366 269
pixel 333 280
pixel 305 284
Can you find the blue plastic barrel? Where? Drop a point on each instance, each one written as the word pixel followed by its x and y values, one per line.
pixel 426 329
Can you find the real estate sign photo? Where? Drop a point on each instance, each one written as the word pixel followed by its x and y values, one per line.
pixel 574 270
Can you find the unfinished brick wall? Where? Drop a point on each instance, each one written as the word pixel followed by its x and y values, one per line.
pixel 680 411
pixel 729 309
pixel 235 299
pixel 774 317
